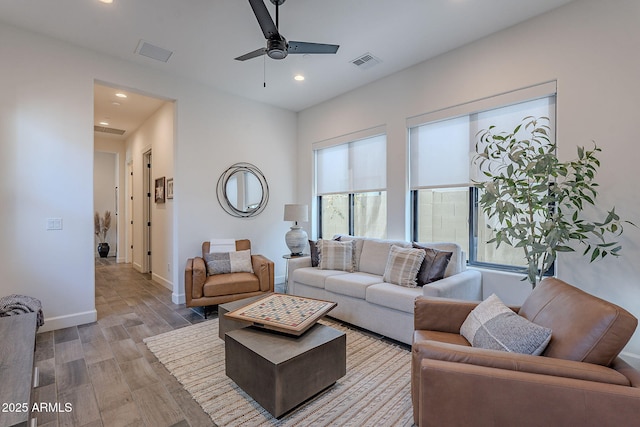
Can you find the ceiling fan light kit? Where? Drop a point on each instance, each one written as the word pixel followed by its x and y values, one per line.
pixel 277 45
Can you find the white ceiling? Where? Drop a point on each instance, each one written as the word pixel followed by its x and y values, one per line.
pixel 206 35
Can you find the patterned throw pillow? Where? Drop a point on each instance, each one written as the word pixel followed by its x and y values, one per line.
pixel 228 262
pixel 403 265
pixel 495 326
pixel 434 265
pixel 335 255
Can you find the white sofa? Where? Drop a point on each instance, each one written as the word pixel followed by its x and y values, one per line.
pixel 365 300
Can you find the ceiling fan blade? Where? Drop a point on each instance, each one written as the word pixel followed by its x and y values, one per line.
pixel 304 47
pixel 263 16
pixel 256 53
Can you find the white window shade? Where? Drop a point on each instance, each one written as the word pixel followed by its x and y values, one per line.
pixel 442 151
pixel 505 119
pixel 332 169
pixel 440 154
pixel 357 166
pixel 369 164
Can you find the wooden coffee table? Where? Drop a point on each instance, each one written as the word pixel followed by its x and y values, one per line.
pixel 282 371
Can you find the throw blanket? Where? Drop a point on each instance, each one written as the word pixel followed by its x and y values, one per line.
pixel 20 304
pixel 222 245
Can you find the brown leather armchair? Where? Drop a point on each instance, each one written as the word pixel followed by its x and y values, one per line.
pixel 202 290
pixel 579 380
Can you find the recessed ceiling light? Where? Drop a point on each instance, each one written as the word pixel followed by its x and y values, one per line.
pixel 106 1
pixel 298 77
pixel 117 104
pixel 121 95
pixel 104 123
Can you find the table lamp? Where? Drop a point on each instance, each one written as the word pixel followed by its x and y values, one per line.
pixel 296 238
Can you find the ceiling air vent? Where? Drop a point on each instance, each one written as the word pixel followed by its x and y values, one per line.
pixel 366 61
pixel 154 52
pixel 108 130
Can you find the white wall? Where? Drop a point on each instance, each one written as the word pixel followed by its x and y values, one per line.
pixel 589 47
pixel 104 194
pixel 156 134
pixel 46 168
pixel 118 222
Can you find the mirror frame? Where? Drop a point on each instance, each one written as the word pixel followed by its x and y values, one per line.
pixel 223 198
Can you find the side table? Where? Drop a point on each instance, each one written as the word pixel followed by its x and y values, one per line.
pixel 286 270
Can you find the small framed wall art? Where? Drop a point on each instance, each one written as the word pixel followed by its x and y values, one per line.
pixel 170 188
pixel 160 190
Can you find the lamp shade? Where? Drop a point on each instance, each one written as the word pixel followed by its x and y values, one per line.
pixel 296 213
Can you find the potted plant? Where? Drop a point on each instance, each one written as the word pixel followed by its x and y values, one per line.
pixel 101 227
pixel 536 202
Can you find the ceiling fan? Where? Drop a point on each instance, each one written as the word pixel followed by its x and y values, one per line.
pixel 277 45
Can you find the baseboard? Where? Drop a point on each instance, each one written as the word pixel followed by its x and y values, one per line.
pixel 278 280
pixel 61 322
pixel 632 359
pixel 178 298
pixel 164 282
pixel 137 267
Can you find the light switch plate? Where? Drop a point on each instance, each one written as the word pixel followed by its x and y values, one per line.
pixel 54 223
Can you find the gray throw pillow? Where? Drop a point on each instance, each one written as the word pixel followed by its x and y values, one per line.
pixel 434 265
pixel 495 326
pixel 228 262
pixel 313 251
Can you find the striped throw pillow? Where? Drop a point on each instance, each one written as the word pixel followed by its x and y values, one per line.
pixel 403 265
pixel 336 255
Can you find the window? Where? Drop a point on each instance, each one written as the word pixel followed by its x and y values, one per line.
pixel 351 182
pixel 441 147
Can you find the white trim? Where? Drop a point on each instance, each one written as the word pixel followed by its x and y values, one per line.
pixel 350 137
pixel 488 103
pixel 178 298
pixel 161 280
pixel 355 191
pixel 69 320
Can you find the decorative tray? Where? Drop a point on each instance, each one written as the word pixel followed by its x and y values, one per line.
pixel 284 313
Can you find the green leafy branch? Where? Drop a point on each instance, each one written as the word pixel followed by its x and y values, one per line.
pixel 536 202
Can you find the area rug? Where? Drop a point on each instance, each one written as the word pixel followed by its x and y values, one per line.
pixel 374 392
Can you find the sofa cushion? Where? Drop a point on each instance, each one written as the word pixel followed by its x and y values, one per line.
pixel 403 265
pixel 393 296
pixel 434 265
pixel 231 284
pixel 335 255
pixel 585 328
pixel 375 253
pixel 228 262
pixel 313 276
pixel 352 284
pixel 493 325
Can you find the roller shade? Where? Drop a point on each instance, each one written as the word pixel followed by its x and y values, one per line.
pixel 357 166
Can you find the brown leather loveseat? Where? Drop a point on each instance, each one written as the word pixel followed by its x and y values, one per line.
pixel 578 380
pixel 202 290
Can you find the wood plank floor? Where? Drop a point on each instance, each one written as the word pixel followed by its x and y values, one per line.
pixel 105 371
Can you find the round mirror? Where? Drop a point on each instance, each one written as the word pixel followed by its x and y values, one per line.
pixel 243 190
